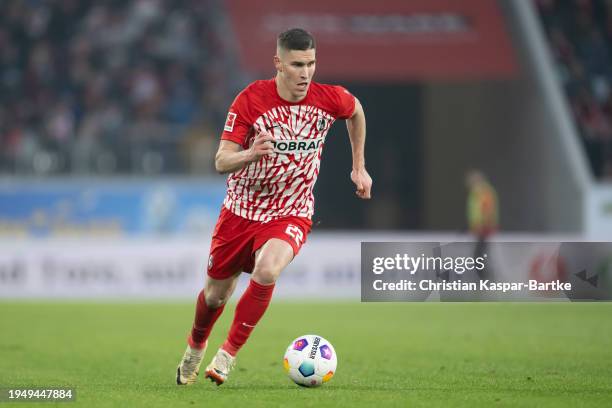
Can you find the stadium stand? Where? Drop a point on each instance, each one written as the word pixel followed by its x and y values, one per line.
pixel 580 37
pixel 111 87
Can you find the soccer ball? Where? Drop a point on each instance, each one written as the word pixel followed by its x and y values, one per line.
pixel 310 360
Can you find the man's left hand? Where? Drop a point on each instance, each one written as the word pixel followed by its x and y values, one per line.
pixel 363 181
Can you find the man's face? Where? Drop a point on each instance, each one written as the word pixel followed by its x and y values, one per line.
pixel 296 69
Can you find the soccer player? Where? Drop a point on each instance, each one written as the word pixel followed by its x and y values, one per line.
pixel 271 147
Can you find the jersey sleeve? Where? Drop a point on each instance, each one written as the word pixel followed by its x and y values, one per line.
pixel 237 124
pixel 346 102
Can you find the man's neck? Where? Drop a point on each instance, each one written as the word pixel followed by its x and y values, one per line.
pixel 284 93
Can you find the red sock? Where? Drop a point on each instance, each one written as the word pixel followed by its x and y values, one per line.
pixel 250 308
pixel 205 319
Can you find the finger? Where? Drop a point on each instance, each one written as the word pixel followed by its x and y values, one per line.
pixel 265 138
pixel 265 148
pixel 264 141
pixel 363 193
pixel 265 133
pixel 258 136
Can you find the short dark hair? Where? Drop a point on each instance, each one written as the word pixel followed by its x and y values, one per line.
pixel 296 39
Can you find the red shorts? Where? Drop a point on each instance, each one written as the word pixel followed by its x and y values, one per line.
pixel 236 239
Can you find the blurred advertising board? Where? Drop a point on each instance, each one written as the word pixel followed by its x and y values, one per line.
pixel 100 207
pixel 156 267
pixel 330 265
pixel 381 41
pixel 599 211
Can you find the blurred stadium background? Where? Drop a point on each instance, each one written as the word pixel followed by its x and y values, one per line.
pixel 110 114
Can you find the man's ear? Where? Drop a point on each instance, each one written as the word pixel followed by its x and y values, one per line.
pixel 277 63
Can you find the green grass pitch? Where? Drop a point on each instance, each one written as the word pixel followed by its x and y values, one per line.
pixel 415 354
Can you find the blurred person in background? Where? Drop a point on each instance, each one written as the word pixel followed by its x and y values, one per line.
pixel 482 212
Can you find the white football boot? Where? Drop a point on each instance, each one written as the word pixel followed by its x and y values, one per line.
pixel 189 367
pixel 220 366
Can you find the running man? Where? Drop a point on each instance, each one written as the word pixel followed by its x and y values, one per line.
pixel 271 147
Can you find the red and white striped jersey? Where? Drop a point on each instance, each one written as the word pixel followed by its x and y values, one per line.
pixel 281 184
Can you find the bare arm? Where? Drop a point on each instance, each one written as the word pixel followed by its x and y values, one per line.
pixel 231 157
pixel 356 126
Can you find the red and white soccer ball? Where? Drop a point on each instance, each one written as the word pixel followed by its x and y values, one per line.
pixel 310 360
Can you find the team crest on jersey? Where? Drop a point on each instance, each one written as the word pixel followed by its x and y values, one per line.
pixel 321 124
pixel 229 122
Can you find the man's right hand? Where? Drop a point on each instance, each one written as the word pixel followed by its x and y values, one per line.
pixel 262 145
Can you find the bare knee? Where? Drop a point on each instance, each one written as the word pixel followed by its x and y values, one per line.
pixel 216 297
pixel 265 273
pixel 270 260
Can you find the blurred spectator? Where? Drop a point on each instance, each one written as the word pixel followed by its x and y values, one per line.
pixel 113 86
pixel 580 34
pixel 482 205
pixel 482 214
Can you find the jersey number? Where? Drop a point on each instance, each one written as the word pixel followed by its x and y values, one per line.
pixel 296 233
